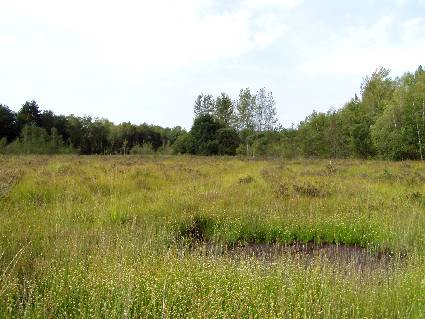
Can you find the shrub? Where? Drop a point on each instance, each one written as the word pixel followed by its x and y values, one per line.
pixel 142 149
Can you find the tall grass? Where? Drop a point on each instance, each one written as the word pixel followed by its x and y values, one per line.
pixel 111 237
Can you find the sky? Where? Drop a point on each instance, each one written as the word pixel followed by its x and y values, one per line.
pixel 146 61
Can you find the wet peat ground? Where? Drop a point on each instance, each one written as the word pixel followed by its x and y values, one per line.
pixel 338 254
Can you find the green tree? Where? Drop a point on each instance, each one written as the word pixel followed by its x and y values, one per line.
pixel 204 104
pixel 204 134
pixel 184 144
pixel 259 110
pixel 224 110
pixel 29 114
pixel 8 125
pixel 149 134
pixel 76 131
pixel 33 140
pixel 313 136
pixel 56 140
pixel 270 117
pixel 123 137
pixel 47 120
pixel 97 138
pixel 172 134
pixel 245 108
pixel 60 123
pixel 377 91
pixel 245 114
pixel 400 131
pixel 264 111
pixel 344 141
pixel 228 141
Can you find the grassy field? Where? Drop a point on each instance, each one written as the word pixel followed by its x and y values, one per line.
pixel 152 237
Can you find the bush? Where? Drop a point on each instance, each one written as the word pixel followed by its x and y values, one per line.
pixel 35 140
pixel 143 149
pixel 183 144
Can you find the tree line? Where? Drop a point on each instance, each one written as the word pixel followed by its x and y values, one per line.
pixel 32 131
pixel 386 121
pixel 217 128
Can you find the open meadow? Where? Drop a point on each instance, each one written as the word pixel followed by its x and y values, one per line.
pixel 207 237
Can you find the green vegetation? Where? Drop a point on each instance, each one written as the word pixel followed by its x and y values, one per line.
pixel 128 236
pixel 31 131
pixel 184 236
pixel 386 122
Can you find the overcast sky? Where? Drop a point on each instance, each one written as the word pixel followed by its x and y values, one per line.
pixel 146 61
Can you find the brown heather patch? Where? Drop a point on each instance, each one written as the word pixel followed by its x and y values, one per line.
pixel 8 179
pixel 246 179
pixel 309 190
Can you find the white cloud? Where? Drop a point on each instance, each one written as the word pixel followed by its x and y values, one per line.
pixel 401 2
pixel 149 35
pixel 367 36
pixel 414 30
pixel 362 49
pixel 275 3
pixel 269 28
pixel 366 60
pixel 404 2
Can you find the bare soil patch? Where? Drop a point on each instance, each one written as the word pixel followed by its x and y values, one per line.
pixel 338 254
